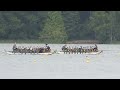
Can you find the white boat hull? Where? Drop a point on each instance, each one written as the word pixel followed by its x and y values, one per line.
pixel 10 53
pixel 94 53
pixel 61 52
pixel 91 53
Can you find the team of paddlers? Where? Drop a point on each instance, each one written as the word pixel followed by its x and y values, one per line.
pixel 47 49
pixel 30 49
pixel 80 49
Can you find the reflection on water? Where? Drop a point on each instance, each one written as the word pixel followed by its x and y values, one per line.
pixel 105 65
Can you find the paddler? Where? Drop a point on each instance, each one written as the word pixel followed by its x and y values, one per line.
pixel 96 48
pixel 64 48
pixel 48 48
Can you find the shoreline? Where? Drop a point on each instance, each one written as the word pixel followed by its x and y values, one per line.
pixel 68 42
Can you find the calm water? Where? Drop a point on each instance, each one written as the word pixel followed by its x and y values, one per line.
pixel 106 65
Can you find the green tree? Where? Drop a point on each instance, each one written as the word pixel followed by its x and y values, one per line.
pixel 100 23
pixel 72 24
pixel 3 26
pixel 54 30
pixel 115 25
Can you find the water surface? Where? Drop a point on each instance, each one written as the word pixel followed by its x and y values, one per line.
pixel 65 66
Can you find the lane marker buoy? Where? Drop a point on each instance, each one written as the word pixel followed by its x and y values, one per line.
pixel 87 59
pixel 34 61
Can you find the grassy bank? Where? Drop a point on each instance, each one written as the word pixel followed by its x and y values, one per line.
pixel 41 42
pixel 116 42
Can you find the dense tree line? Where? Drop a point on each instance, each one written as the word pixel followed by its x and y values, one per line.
pixel 60 26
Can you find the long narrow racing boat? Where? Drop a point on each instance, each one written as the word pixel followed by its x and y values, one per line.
pixel 90 53
pixel 11 53
pixel 50 53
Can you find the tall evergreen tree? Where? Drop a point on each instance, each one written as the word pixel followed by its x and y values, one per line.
pixel 72 24
pixel 100 23
pixel 54 30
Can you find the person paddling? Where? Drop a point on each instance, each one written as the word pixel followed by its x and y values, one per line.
pixel 48 48
pixel 96 48
pixel 64 48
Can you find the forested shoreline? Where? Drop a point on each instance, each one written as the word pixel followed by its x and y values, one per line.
pixel 60 26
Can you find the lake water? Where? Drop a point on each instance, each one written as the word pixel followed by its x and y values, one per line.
pixel 61 66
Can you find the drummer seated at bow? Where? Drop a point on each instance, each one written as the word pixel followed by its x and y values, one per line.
pixel 14 47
